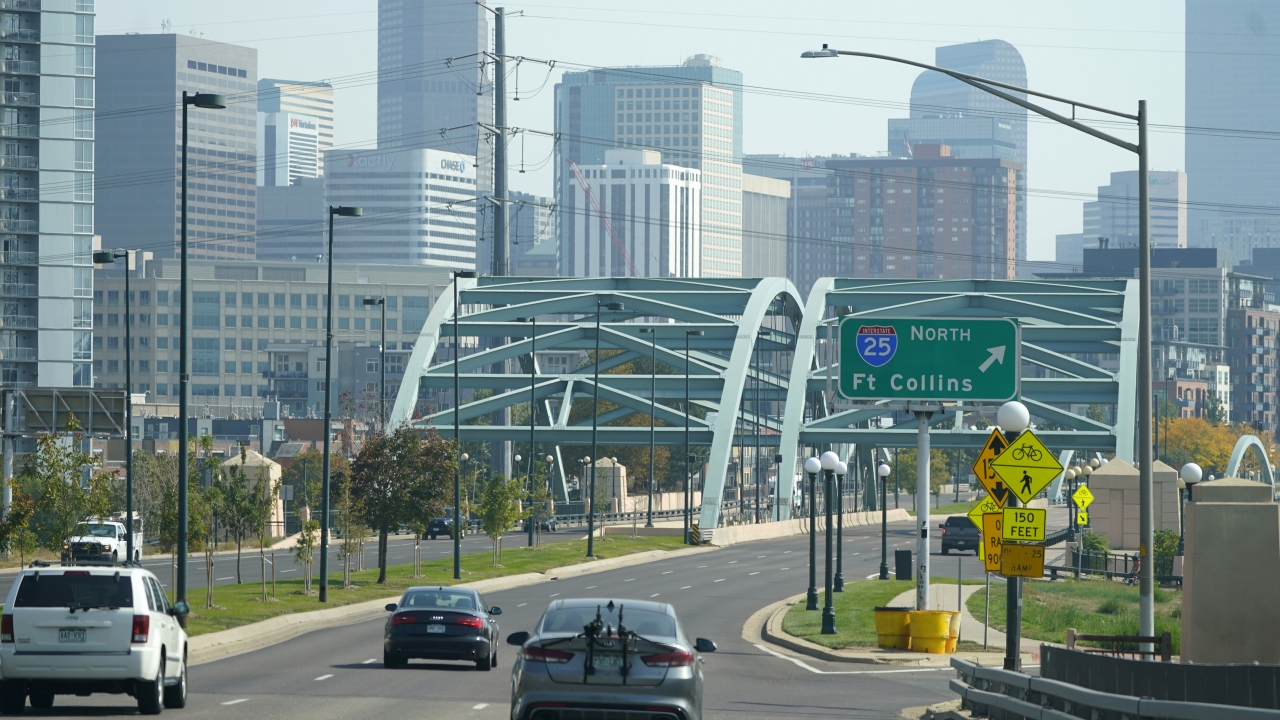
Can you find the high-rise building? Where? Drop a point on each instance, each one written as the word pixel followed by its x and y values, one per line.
pixel 434 91
pixel 691 113
pixel 288 148
pixel 810 220
pixel 419 207
pixel 1114 215
pixel 652 210
pixel 932 216
pixel 313 99
pixel 973 123
pixel 292 221
pixel 532 231
pixel 1069 252
pixel 1233 162
pixel 142 151
pixel 46 202
pixel 764 225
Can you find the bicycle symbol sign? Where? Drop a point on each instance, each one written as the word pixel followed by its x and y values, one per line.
pixel 1026 466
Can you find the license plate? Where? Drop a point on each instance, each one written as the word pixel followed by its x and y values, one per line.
pixel 606 662
pixel 435 628
pixel 66 635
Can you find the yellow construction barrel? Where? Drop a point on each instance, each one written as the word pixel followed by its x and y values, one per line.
pixel 893 628
pixel 930 631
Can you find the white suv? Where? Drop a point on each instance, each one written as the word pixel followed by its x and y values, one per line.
pixel 72 630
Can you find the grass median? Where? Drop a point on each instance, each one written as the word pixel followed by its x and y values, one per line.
pixel 855 612
pixel 1092 607
pixel 951 508
pixel 236 605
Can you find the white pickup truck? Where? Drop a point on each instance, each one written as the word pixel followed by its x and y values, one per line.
pixel 102 542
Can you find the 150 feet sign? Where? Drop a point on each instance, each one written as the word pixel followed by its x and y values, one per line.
pixel 929 359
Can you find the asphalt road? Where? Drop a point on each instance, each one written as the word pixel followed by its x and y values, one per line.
pixel 337 673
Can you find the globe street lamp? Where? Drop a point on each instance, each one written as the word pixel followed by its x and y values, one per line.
pixel 830 462
pixel 841 469
pixel 1013 418
pixel 342 211
pixel 812 466
pixel 883 471
pixel 1190 474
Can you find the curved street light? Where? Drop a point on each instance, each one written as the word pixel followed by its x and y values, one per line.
pixel 813 466
pixel 883 471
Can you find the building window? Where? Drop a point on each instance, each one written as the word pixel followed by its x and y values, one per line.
pixel 295 300
pixel 84 29
pixel 359 323
pixel 313 301
pixel 113 366
pixel 84 124
pixel 84 61
pixel 344 302
pixel 371 365
pixel 84 90
pixel 229 367
pixel 204 356
pixel 344 323
pixel 82 374
pixel 200 390
pixel 84 155
pixel 295 323
pixel 279 322
pixel 83 346
pixel 311 323
pixel 229 344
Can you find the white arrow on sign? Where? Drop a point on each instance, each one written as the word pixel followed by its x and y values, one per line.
pixel 997 355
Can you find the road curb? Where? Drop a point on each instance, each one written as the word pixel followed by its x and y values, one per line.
pixel 771 632
pixel 223 644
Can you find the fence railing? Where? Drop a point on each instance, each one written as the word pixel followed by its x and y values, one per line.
pixel 1117 645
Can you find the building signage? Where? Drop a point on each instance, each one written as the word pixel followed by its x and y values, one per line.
pixel 383 161
pixel 458 166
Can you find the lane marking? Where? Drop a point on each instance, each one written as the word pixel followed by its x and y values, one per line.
pixel 325 677
pixel 628 580
pixel 236 702
pixel 479 706
pixel 732 562
pixel 786 568
pixel 286 571
pixel 754 573
pixel 873 576
pixel 591 587
pixel 760 556
pixel 233 577
pixel 720 580
pixel 857 553
pixel 668 572
pixel 655 595
pixel 816 671
pixel 554 594
pixel 786 552
pixel 701 566
pixel 370 660
pixel 686 587
pixel 522 604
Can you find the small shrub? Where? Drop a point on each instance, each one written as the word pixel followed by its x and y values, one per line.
pixel 1111 606
pixel 1160 596
pixel 1166 544
pixel 1176 613
pixel 1094 542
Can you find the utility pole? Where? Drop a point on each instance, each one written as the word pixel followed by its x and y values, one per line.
pixel 501 458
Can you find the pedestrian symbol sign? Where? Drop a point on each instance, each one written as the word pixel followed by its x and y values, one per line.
pixel 1026 467
pixel 1083 497
pixel 987 505
pixel 996 489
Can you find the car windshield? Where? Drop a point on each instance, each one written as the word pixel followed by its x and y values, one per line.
pixel 644 622
pixel 95 530
pixel 74 591
pixel 438 600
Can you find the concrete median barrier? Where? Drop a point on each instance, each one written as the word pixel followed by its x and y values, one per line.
pixel 786 528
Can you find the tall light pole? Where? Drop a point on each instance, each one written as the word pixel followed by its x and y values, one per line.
pixel 653 408
pixel 813 466
pixel 688 454
pixel 382 361
pixel 1146 535
pixel 601 306
pixel 1013 417
pixel 841 469
pixel 343 211
pixel 883 472
pixel 533 404
pixel 457 427
pixel 108 257
pixel 830 463
pixel 207 101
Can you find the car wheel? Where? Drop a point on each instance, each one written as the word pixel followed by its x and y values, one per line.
pixel 13 697
pixel 946 550
pixel 151 694
pixel 393 661
pixel 433 537
pixel 115 558
pixel 175 696
pixel 486 664
pixel 42 700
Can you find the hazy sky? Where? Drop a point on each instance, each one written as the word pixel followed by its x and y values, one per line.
pixel 1105 53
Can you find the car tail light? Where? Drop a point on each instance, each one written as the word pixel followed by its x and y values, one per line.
pixel 675 659
pixel 470 621
pixel 141 628
pixel 533 653
pixel 403 619
pixel 944 531
pixel 6 628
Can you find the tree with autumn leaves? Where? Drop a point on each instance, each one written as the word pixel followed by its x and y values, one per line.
pixel 1184 440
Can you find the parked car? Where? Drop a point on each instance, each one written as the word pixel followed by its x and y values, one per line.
pixel 76 631
pixel 608 658
pixel 548 525
pixel 442 526
pixel 959 533
pixel 441 623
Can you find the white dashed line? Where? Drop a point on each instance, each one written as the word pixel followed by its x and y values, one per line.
pixel 285 571
pixel 655 595
pixel 686 587
pixel 236 702
pixel 857 553
pixel 554 594
pixel 522 604
pixel 369 661
pixel 233 577
pixel 701 566
pixel 325 677
pixel 590 587
pixel 720 580
pixel 786 552
pixel 628 580
pixel 732 562
pixel 754 573
pixel 786 568
pixel 668 572
pixel 760 556
pixel 479 706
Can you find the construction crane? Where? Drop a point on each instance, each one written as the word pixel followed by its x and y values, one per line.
pixel 604 219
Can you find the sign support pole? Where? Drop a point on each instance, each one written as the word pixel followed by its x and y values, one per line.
pixel 1012 606
pixel 922 509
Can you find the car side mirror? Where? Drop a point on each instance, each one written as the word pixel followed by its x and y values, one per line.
pixel 495 610
pixel 704 645
pixel 391 607
pixel 518 638
pixel 179 608
pixel 943 526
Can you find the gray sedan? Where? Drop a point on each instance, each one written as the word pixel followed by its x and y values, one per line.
pixel 625 659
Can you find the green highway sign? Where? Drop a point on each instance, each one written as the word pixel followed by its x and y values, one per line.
pixel 936 359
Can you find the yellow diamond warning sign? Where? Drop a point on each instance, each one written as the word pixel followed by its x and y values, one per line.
pixel 1026 467
pixel 1082 497
pixel 996 488
pixel 986 505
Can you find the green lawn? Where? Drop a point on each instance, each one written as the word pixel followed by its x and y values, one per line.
pixel 237 605
pixel 1092 607
pixel 855 616
pixel 951 508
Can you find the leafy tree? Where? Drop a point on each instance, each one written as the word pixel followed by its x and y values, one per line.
pixel 939 472
pixel 391 481
pixel 1165 544
pixel 15 525
pixel 350 527
pixel 260 502
pixel 203 513
pixel 499 510
pixel 307 495
pixel 235 508
pixel 305 549
pixel 1095 413
pixel 1215 412
pixel 53 478
pixel 1093 542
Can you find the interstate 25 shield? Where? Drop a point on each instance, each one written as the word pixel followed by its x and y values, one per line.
pixel 877 344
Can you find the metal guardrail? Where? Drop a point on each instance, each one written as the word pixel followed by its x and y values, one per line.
pixel 1008 695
